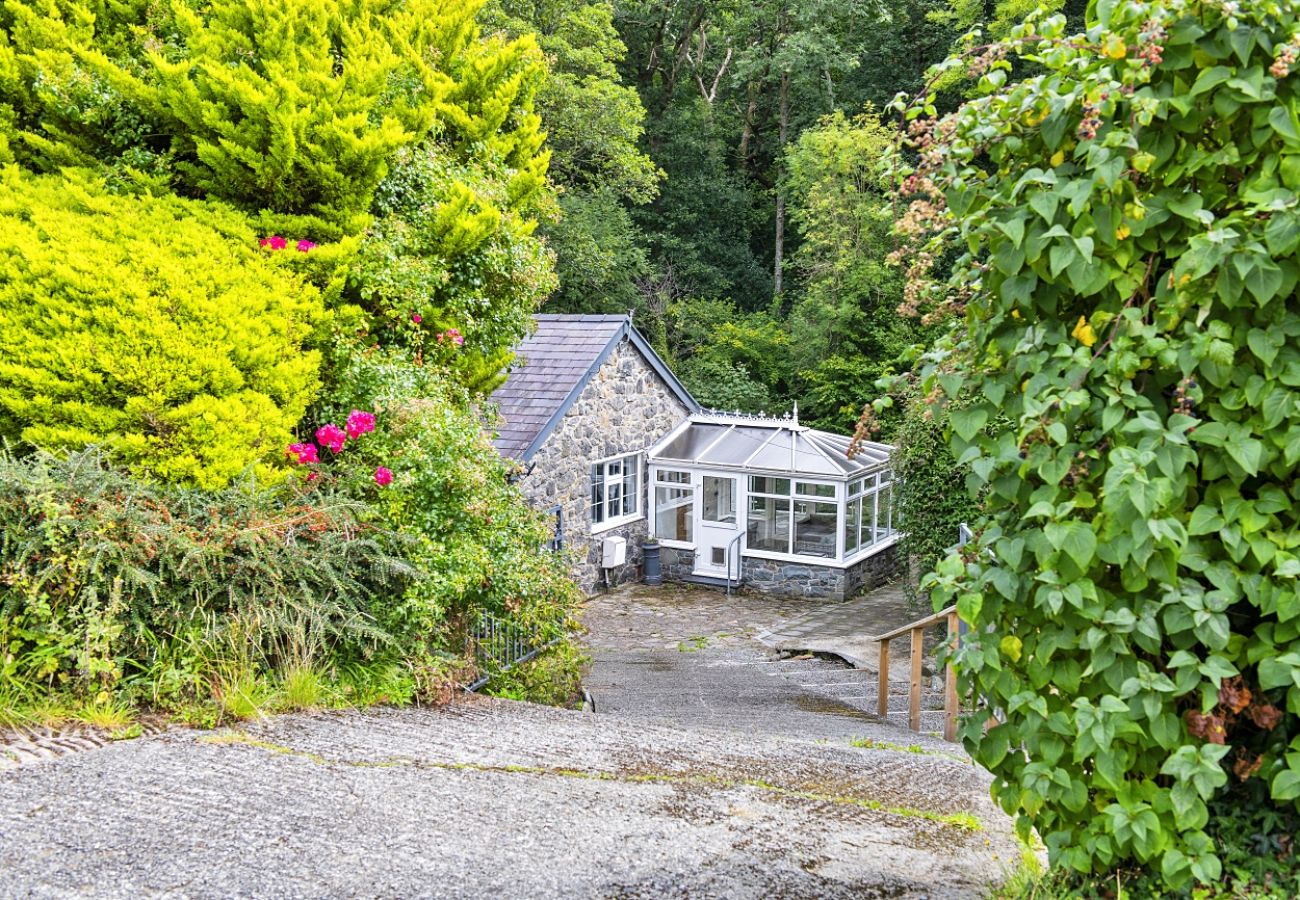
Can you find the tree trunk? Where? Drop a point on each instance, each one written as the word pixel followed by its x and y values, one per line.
pixel 747 133
pixel 783 126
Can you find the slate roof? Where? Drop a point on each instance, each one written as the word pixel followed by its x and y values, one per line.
pixel 551 368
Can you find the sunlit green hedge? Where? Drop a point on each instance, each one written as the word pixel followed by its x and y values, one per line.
pixel 155 327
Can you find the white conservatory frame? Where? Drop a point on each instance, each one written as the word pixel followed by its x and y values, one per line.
pixel 778 468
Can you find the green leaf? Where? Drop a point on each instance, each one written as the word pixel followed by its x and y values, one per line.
pixel 1283 122
pixel 1075 539
pixel 1247 452
pixel 1280 671
pixel 1286 785
pixel 968 422
pixel 1262 344
pixel 1210 78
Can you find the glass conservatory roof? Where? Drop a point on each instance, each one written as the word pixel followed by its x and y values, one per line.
pixel 764 444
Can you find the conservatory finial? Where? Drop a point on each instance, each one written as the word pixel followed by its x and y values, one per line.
pixel 795 413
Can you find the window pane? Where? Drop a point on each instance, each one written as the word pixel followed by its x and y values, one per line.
pixel 808 489
pixel 886 527
pixel 719 499
pixel 613 498
pixel 855 487
pixel 814 528
pixel 598 493
pixel 769 524
pixel 674 477
pixel 852 521
pixel 674 513
pixel 761 485
pixel 869 519
pixel 631 486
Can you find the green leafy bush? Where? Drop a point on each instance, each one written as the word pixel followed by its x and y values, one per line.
pixel 296 109
pixel 930 490
pixel 1128 220
pixel 110 587
pixel 153 326
pixel 476 544
pixel 452 248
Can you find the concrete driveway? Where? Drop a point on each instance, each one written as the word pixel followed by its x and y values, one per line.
pixel 491 798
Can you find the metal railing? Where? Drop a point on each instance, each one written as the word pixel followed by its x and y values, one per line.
pixel 499 645
pixel 727 558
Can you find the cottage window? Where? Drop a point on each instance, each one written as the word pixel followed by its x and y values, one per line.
pixel 674 506
pixel 616 490
pixel 779 524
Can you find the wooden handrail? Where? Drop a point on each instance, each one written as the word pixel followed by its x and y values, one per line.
pixel 919 623
pixel 917 631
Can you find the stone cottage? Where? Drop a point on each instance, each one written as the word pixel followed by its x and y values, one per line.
pixel 613 446
pixel 586 398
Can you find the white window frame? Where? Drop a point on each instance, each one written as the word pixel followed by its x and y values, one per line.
pixel 638 511
pixel 688 486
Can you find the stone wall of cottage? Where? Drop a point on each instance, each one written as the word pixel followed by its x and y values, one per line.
pixel 625 408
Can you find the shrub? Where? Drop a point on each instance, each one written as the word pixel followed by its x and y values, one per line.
pixel 295 109
pixel 112 587
pixel 155 327
pixel 1129 221
pixel 452 247
pixel 931 490
pixel 477 545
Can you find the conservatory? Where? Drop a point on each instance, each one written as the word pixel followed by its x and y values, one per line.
pixel 778 506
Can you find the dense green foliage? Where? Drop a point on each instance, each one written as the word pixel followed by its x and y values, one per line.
pixel 118 591
pixel 153 326
pixel 253 184
pixel 930 491
pixel 296 109
pixel 1129 220
pixel 476 544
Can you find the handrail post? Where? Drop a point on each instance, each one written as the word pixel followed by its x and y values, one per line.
pixel 914 691
pixel 882 702
pixel 950 682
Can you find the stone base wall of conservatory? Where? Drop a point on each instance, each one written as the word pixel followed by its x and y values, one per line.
pixel 799 579
pixel 796 579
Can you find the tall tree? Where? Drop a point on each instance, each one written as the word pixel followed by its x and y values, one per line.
pixel 594 125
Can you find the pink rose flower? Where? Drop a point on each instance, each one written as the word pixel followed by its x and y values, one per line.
pixel 383 476
pixel 417 318
pixel 359 423
pixel 452 335
pixel 274 242
pixel 313 475
pixel 305 453
pixel 331 436
pixel 305 245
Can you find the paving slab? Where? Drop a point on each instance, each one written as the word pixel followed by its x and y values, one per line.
pixel 846 628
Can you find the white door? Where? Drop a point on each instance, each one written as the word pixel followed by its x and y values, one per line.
pixel 717 524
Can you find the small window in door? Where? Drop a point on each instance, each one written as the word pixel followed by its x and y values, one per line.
pixel 719 499
pixel 719 556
